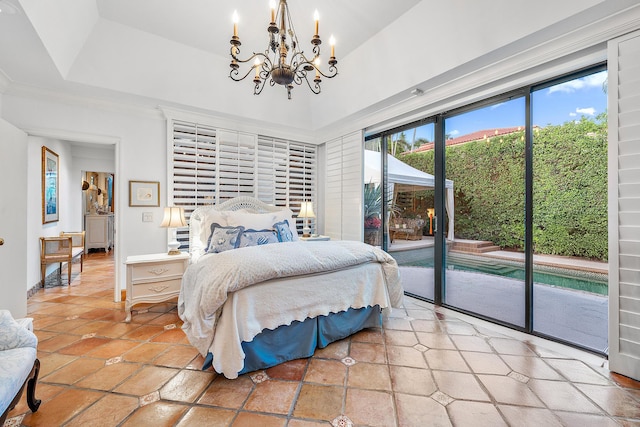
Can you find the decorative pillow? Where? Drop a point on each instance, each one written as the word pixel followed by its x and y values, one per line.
pixel 223 238
pixel 258 237
pixel 284 231
pixel 263 221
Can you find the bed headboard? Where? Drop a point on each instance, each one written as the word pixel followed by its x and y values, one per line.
pixel 223 213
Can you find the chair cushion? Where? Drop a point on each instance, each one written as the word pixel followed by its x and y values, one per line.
pixel 12 335
pixel 15 366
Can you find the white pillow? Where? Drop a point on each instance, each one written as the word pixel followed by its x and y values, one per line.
pixel 262 221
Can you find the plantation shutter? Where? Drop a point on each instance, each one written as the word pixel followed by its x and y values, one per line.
pixel 193 169
pixel 208 166
pixel 624 205
pixel 343 188
pixel 236 165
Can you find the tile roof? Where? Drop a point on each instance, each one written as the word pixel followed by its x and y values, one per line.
pixel 474 136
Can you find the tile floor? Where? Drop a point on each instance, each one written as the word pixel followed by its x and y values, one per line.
pixel 426 367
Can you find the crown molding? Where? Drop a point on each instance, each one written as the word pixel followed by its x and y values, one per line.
pixel 71 136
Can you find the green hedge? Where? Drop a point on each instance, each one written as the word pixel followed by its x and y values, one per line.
pixel 570 188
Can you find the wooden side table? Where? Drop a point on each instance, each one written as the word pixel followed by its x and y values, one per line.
pixel 153 278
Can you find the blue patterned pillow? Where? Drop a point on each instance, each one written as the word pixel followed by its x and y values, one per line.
pixel 258 237
pixel 284 232
pixel 223 238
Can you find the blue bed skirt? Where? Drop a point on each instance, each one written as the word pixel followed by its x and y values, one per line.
pixel 300 339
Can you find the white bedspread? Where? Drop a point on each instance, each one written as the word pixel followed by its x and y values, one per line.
pixel 205 285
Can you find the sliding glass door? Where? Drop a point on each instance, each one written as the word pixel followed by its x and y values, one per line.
pixel 485 240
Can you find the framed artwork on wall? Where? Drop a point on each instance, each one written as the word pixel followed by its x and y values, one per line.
pixel 144 193
pixel 50 186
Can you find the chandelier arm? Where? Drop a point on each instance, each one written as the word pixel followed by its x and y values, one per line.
pixel 315 88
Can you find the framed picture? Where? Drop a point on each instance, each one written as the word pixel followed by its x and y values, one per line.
pixel 144 193
pixel 50 186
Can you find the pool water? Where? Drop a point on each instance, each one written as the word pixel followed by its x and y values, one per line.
pixel 553 276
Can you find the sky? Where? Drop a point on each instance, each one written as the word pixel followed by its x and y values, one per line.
pixel 553 105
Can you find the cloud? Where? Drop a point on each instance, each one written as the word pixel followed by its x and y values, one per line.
pixel 572 114
pixel 454 133
pixel 590 111
pixel 594 80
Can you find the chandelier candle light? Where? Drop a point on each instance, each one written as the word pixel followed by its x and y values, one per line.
pixel 282 62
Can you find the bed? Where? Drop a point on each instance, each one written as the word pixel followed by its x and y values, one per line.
pixel 254 295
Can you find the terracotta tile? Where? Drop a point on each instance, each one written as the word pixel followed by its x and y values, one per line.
pixel 44 392
pixel 74 371
pixel 446 360
pixel 109 376
pixel 207 417
pixel 406 356
pixel 165 319
pixel 174 336
pixel 471 343
pixel 319 402
pixel 106 412
pixel 272 396
pixel 370 335
pixel 420 411
pixel 435 340
pixel 176 357
pixel 615 401
pixel 186 386
pixel 369 376
pixel 511 346
pixel 143 333
pixel 529 417
pixel 227 393
pixel 49 362
pixel 112 348
pixel 293 370
pixel 305 423
pixel 247 419
pixel 328 372
pixel 61 408
pixel 474 414
pixel 508 390
pixel 623 381
pixel 403 338
pixel 90 327
pixel 457 327
pixel 115 330
pixel 157 414
pixel 577 371
pixel 412 381
pixel 426 326
pixel 420 313
pixel 397 324
pixel 83 346
pixel 562 396
pixel 150 378
pixel 532 367
pixel 485 363
pixel 96 313
pixel 369 407
pixel 145 353
pixel 368 352
pixel 57 342
pixel 336 350
pixel 459 385
pixel 572 419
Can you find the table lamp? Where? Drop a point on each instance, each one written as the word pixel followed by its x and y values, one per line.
pixel 173 218
pixel 306 212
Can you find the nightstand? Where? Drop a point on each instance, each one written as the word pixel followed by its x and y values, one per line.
pixel 314 238
pixel 153 278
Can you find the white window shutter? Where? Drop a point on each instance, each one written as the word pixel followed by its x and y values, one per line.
pixel 624 204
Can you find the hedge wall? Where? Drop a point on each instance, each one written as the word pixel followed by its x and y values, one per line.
pixel 570 188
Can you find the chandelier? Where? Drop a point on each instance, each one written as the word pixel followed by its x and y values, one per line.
pixel 282 62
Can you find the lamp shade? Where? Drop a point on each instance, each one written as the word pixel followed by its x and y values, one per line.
pixel 173 217
pixel 306 210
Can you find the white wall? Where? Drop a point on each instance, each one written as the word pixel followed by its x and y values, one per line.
pixel 142 156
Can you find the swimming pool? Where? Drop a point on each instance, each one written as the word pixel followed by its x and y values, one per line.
pixel 586 281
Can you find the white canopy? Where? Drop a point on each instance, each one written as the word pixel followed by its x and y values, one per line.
pixel 402 177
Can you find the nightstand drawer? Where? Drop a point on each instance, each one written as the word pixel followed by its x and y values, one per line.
pixel 156 271
pixel 157 288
